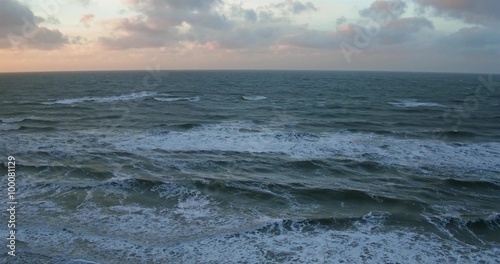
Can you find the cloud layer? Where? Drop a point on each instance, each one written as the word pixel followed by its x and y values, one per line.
pixel 208 23
pixel 482 12
pixel 19 27
pixel 377 33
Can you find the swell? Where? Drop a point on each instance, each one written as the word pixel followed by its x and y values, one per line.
pixel 185 126
pixel 86 178
pixel 463 228
pixel 37 128
pixel 453 134
pixel 68 171
pixel 480 227
pixel 470 184
pixel 306 164
pixel 299 192
pixel 29 121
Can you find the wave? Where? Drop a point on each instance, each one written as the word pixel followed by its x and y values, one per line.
pixel 297 242
pixel 186 126
pixel 360 147
pixel 27 123
pixel 483 225
pixel 36 119
pixel 12 119
pixel 241 240
pixel 414 103
pixel 108 99
pixel 37 128
pixel 455 134
pixel 177 99
pixel 471 184
pixel 192 225
pixel 9 126
pixel 253 98
pixel 489 219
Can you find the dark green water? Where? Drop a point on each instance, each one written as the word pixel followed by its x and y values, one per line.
pixel 256 167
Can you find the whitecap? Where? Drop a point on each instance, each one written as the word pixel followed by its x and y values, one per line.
pixel 387 150
pixel 176 99
pixel 9 126
pixel 414 103
pixel 108 99
pixel 12 119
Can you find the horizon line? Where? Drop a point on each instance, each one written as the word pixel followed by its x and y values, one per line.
pixel 247 70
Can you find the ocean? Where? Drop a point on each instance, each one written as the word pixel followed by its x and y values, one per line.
pixel 251 167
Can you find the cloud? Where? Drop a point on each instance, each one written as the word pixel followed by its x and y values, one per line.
pixel 381 8
pixel 212 23
pixel 472 40
pixel 341 20
pixel 403 30
pixel 87 19
pixel 19 27
pixel 482 38
pixel 52 20
pixel 158 23
pixel 479 12
pixel 295 7
pixel 383 24
pixel 217 25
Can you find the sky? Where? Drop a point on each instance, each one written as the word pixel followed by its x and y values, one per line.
pixel 375 35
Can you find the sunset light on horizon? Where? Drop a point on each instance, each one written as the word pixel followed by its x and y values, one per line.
pixel 89 35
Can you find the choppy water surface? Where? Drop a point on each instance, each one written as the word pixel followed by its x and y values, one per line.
pixel 217 167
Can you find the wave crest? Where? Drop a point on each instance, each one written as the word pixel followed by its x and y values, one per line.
pixel 107 99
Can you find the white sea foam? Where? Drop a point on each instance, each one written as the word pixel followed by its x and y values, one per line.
pixel 13 123
pixel 414 103
pixel 153 236
pixel 108 99
pixel 9 126
pixel 175 99
pixel 246 137
pixel 357 146
pixel 185 226
pixel 253 98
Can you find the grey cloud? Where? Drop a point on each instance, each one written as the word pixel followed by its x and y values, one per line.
pixel 386 25
pixel 158 22
pixel 156 25
pixel 19 27
pixel 381 8
pixel 250 15
pixel 201 5
pixel 52 20
pixel 299 7
pixel 482 12
pixel 341 20
pixel 45 38
pixel 472 40
pixel 138 34
pixel 481 39
pixel 293 7
pixel 403 30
